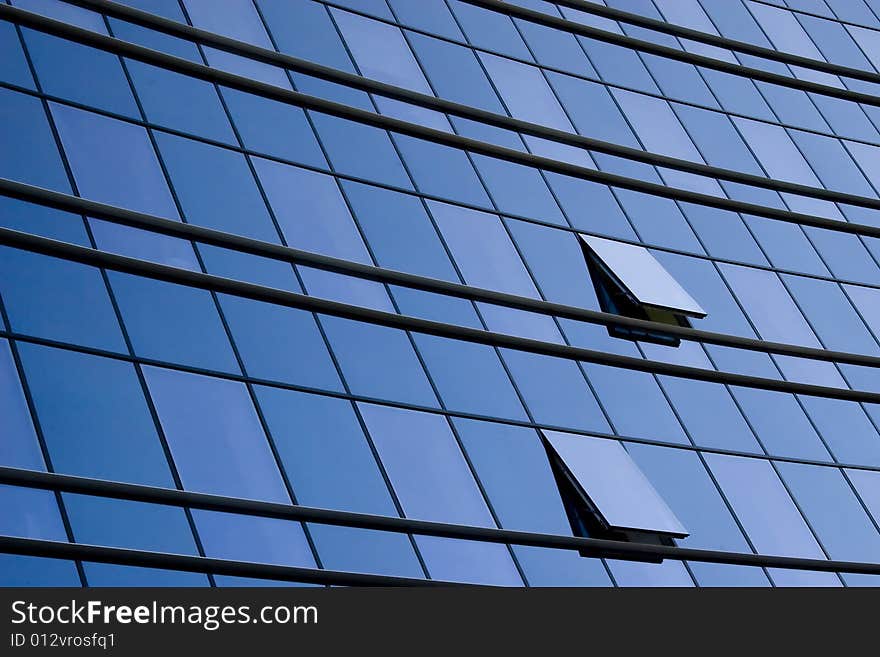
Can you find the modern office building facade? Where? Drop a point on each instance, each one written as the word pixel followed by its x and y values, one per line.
pixel 712 199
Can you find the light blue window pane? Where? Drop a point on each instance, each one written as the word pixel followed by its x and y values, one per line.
pixel 645 278
pixel 442 171
pixel 590 206
pixel 654 418
pixel 469 377
pixel 768 515
pixel 27 149
pixel 13 66
pixel 433 482
pixel 58 299
pixel 738 94
pixel 776 151
pixel 769 305
pixel 850 435
pixel 867 484
pixel 215 188
pixel 555 391
pixel 378 362
pixel 430 15
pixel 173 323
pixel 867 302
pixel 310 210
pixel 619 65
pixel 845 254
pixel 36 571
pixel 555 48
pixel 134 525
pixel 710 415
pixel 374 7
pixel 831 315
pixel 525 92
pixel 94 417
pixel 723 233
pixel 679 80
pixel 518 189
pixel 30 513
pixel 248 538
pixel 657 126
pixel 42 220
pixel 718 141
pixel 846 118
pixel 841 523
pixel 490 30
pixel 684 484
pixel 482 249
pixel 455 73
pixel 79 73
pixel 658 221
pixel 360 150
pixel 855 11
pixel 399 231
pixel 622 494
pixel 280 344
pixel 274 128
pixel 793 107
pixel 781 424
pixel 114 162
pixel 515 473
pixel 868 158
pixel 380 51
pixel 237 19
pixel 20 448
pixel 180 102
pixel 786 245
pixel 592 109
pixel 304 29
pixel 328 460
pixel 202 415
pixel 832 163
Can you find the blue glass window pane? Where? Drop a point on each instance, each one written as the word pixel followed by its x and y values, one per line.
pixel 622 494
pixel 19 449
pixel 274 128
pixel 831 315
pixel 80 73
pixel 469 377
pixel 180 102
pixel 399 231
pixel 846 428
pixel 93 415
pixel 201 416
pixel 215 188
pixel 710 415
pixel 441 171
pixel 360 150
pixel 380 51
pixel 113 162
pixel 30 513
pixel 654 419
pixel 35 571
pixel 555 391
pixel 835 514
pixel 173 323
pixel 490 30
pixel 311 210
pixel 518 189
pixel 430 15
pixel 135 525
pixel 619 65
pixel 280 344
pixel 555 48
pixel 27 148
pixel 515 473
pixel 867 484
pixel 433 482
pixel 378 362
pixel 329 462
pixel 304 29
pixel 13 66
pixel 58 299
pixel 455 73
pixel 780 424
pixel 682 481
pixel 768 515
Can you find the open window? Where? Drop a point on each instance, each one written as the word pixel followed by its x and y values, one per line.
pixel 629 281
pixel 606 495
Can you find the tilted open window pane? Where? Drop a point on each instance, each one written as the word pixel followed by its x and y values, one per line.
pixel 605 493
pixel 629 281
